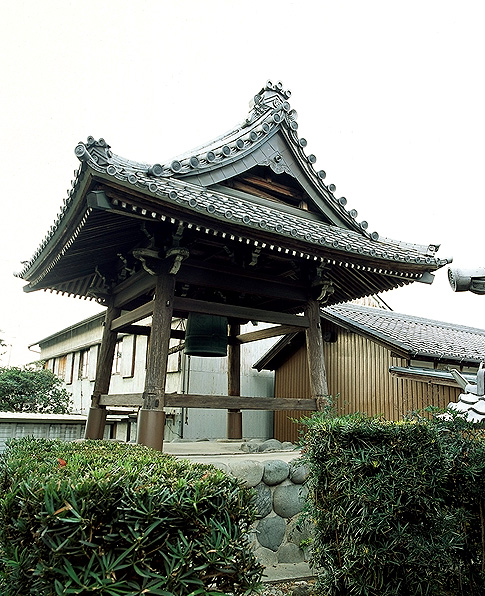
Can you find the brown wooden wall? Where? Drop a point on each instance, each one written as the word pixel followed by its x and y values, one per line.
pixel 357 370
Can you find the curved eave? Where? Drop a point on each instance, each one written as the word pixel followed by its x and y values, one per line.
pixel 62 234
pixel 180 190
pixel 256 221
pixel 282 231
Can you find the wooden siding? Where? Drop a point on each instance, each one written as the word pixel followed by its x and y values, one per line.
pixel 292 379
pixel 357 371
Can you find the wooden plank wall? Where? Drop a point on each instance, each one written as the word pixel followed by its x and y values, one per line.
pixel 357 370
pixel 291 379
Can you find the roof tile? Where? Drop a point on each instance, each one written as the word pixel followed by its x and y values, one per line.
pixel 419 337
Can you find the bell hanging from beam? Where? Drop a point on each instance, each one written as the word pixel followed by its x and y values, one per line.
pixel 206 335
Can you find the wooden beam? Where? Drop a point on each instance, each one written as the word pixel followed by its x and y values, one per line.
pixel 238 312
pixel 151 418
pixel 142 283
pixel 97 413
pixel 133 316
pixel 136 330
pixel 243 281
pixel 315 356
pixel 220 402
pixel 242 338
pixel 186 305
pixel 266 333
pixel 146 330
pixel 135 286
pixel 234 416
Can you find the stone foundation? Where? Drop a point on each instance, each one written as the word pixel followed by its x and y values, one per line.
pixel 280 535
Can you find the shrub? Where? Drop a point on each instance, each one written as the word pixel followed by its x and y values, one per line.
pixel 120 519
pixel 397 506
pixel 33 390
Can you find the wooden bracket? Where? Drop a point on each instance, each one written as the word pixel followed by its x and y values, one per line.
pixel 178 254
pixel 154 263
pixel 322 285
pixel 150 259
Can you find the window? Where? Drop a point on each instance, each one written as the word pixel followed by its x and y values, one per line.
pixel 83 364
pixel 129 355
pixel 116 368
pixel 61 367
pixel 70 369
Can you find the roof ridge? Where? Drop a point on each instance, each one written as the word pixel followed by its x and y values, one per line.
pixel 270 112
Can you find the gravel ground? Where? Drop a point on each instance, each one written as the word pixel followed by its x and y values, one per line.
pixel 289 588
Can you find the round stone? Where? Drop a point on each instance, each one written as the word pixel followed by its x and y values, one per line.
pixel 249 471
pixel 251 446
pixel 275 471
pixel 298 471
pixel 299 531
pixel 266 556
pixel 302 589
pixel 221 466
pixel 271 532
pixel 263 500
pixel 290 553
pixel 289 500
pixel 270 445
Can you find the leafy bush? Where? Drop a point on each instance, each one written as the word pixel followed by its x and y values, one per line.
pixel 398 507
pixel 33 390
pixel 117 519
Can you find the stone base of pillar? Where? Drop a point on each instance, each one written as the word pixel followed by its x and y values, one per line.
pixel 95 423
pixel 234 424
pixel 151 428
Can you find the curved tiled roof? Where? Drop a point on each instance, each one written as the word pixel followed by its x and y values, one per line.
pixel 418 337
pixel 190 185
pixel 249 214
pixel 245 213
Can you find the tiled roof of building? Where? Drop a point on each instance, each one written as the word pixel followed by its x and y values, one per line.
pixel 409 336
pixel 268 136
pixel 413 336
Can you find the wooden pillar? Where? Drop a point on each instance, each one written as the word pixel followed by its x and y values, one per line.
pixel 151 417
pixel 97 414
pixel 234 417
pixel 315 355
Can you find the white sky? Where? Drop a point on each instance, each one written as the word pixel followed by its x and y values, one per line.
pixel 390 97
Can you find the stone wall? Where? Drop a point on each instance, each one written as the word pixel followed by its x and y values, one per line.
pixel 280 534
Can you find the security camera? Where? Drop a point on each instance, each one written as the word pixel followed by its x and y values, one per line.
pixel 462 280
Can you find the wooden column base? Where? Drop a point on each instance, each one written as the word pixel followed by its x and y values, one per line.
pixel 234 424
pixel 151 428
pixel 95 423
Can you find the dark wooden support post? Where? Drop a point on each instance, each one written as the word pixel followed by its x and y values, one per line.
pixel 234 417
pixel 315 355
pixel 151 417
pixel 97 414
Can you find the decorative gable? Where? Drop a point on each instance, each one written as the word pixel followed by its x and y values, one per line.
pixel 265 157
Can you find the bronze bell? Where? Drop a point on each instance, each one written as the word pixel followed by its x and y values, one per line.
pixel 206 335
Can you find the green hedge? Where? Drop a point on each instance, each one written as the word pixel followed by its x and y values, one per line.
pixel 116 519
pixel 398 507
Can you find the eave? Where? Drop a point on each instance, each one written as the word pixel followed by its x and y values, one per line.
pixel 114 200
pixel 425 375
pixel 156 199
